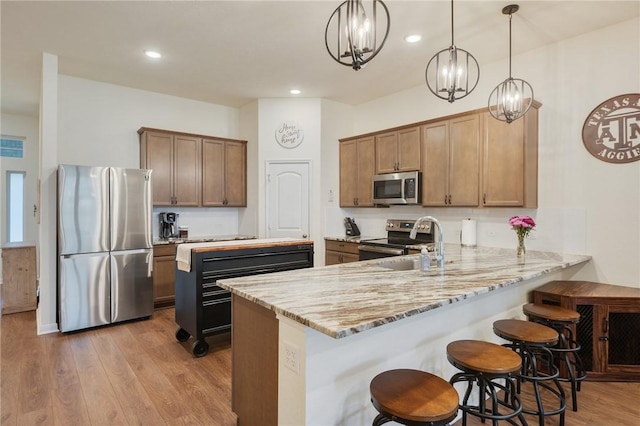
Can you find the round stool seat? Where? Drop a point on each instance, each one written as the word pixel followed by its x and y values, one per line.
pixel 414 396
pixel 550 313
pixel 484 357
pixel 525 331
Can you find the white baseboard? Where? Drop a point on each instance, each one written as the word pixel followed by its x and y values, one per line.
pixel 47 328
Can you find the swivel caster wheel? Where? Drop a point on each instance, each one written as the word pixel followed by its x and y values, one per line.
pixel 200 348
pixel 182 335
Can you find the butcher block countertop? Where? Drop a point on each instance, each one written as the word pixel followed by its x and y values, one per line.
pixel 183 252
pixel 345 299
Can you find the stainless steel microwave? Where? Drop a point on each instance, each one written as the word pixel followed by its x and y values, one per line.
pixel 396 188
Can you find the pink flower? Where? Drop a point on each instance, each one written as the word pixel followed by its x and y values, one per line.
pixel 522 221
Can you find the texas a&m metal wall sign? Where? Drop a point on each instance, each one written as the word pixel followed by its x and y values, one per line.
pixel 611 132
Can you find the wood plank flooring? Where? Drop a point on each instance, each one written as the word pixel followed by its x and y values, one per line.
pixel 138 374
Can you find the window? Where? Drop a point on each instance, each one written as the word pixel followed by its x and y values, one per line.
pixel 15 206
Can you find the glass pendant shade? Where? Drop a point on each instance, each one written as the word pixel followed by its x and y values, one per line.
pixel 353 32
pixel 452 73
pixel 512 98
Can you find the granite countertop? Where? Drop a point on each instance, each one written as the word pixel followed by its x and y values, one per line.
pixel 351 239
pixel 342 300
pixel 202 239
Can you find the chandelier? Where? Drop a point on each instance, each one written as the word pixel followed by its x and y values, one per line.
pixel 452 73
pixel 512 98
pixel 355 28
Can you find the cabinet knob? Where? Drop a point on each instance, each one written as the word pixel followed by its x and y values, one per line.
pixel 603 338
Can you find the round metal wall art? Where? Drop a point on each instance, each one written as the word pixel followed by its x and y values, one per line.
pixel 611 132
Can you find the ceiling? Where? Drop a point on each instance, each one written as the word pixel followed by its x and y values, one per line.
pixel 233 52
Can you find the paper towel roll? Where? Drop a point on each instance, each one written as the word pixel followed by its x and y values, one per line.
pixel 468 233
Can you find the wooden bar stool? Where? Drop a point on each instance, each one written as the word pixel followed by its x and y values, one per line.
pixel 413 397
pixel 492 368
pixel 532 342
pixel 567 350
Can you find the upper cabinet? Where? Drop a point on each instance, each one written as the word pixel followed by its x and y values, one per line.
pixel 510 161
pixel 174 159
pixel 451 162
pixel 224 173
pixel 357 167
pixel 398 151
pixel 194 170
pixel 467 160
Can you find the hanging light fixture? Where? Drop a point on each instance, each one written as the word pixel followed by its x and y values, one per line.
pixel 452 73
pixel 512 98
pixel 356 28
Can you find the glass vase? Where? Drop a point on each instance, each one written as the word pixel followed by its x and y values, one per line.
pixel 521 250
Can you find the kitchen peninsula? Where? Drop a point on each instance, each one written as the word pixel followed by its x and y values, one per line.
pixel 307 343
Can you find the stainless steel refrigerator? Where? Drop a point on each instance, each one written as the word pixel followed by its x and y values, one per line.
pixel 104 246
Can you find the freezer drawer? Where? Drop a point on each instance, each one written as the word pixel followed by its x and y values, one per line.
pixel 131 284
pixel 84 291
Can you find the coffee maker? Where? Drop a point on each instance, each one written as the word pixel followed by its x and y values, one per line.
pixel 168 224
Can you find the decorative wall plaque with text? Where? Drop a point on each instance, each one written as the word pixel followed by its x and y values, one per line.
pixel 289 134
pixel 611 132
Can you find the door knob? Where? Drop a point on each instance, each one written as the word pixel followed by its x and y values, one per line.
pixel 304 235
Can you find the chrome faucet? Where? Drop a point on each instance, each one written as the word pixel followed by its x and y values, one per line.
pixel 440 247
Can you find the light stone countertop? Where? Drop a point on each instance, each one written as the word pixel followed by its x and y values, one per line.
pixel 342 300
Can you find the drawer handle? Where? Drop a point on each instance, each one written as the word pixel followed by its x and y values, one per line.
pixel 216 302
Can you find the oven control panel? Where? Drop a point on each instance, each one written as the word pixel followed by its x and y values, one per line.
pixel 406 225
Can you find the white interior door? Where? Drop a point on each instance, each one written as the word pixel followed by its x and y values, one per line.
pixel 288 199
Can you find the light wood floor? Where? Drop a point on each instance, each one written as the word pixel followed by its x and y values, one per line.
pixel 137 373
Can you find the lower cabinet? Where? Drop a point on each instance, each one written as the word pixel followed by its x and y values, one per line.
pixel 609 327
pixel 340 252
pixel 164 265
pixel 19 277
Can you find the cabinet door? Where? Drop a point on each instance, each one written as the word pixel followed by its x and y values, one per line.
pixel 213 172
pixel 366 170
pixel 409 149
pixel 159 158
pixel 503 163
pixel 464 169
pixel 435 170
pixel 332 257
pixel 348 173
pixel 186 171
pixel 236 174
pixel 163 280
pixel 621 326
pixel 387 153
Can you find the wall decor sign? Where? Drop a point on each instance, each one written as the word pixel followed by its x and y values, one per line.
pixel 289 134
pixel 611 131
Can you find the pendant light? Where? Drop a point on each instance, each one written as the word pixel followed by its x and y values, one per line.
pixel 512 98
pixel 355 27
pixel 452 73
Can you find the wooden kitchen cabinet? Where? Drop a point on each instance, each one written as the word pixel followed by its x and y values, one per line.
pixel 398 151
pixel 175 161
pixel 164 265
pixel 224 173
pixel 510 161
pixel 357 167
pixel 340 252
pixel 451 162
pixel 609 327
pixel 19 277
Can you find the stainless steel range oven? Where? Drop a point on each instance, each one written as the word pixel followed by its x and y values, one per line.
pixel 398 242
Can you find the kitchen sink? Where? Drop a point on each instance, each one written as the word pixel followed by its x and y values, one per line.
pixel 408 264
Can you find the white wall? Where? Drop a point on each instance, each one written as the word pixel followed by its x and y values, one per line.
pixel 27 127
pixel 585 205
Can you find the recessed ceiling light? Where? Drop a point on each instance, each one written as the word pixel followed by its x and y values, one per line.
pixel 295 91
pixel 153 54
pixel 413 38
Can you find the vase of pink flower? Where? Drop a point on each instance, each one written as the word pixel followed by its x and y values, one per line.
pixel 523 225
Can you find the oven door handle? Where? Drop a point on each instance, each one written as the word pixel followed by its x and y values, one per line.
pixel 384 250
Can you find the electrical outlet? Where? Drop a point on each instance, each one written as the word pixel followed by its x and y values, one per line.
pixel 291 357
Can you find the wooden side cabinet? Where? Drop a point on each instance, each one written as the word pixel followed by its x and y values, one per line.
pixel 164 267
pixel 224 173
pixel 340 252
pixel 18 277
pixel 609 327
pixel 357 167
